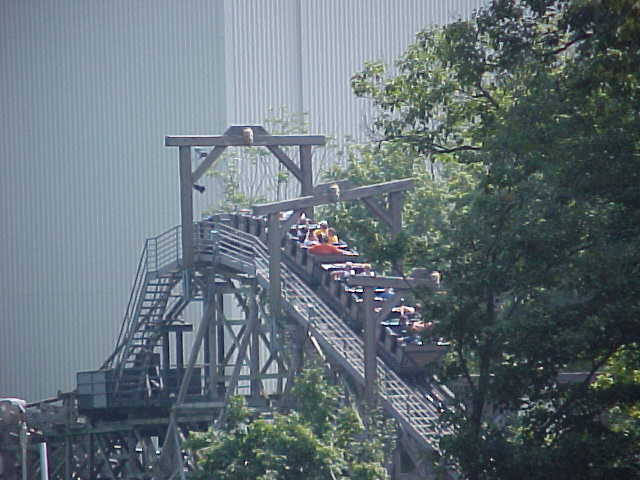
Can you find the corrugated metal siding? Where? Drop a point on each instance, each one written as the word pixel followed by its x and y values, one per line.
pixel 261 58
pixel 308 65
pixel 88 92
pixel 307 51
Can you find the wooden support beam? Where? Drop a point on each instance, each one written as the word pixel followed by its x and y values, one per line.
pixel 213 343
pixel 271 346
pixel 286 161
pixel 377 189
pixel 300 335
pixel 239 141
pixel 320 199
pixel 92 459
pixel 103 451
pixel 221 340
pixel 242 352
pixel 306 172
pixel 275 349
pixel 275 255
pixel 378 210
pixel 213 155
pixel 396 202
pixel 254 355
pixel 306 169
pixel 195 349
pixel 179 353
pixel 370 355
pixel 324 187
pixel 283 206
pixel 235 340
pixel 397 283
pixel 186 206
pixel 68 448
pixel 166 353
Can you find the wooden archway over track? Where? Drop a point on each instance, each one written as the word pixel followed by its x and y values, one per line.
pixel 236 136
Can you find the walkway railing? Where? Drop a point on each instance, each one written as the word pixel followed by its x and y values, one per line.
pixel 230 247
pixel 165 250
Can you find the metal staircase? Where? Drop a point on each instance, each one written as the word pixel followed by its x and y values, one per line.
pixel 152 304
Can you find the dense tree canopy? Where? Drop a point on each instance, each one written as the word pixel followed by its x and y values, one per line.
pixel 321 438
pixel 523 126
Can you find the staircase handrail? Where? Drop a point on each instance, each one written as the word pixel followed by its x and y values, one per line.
pixel 127 321
pixel 164 249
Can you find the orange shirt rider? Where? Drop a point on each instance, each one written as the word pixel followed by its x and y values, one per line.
pixel 324 248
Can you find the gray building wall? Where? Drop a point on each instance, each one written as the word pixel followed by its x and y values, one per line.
pixel 89 89
pixel 302 53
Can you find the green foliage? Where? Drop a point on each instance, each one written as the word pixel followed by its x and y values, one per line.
pixel 320 439
pixel 282 449
pixel 317 402
pixel 620 383
pixel 438 186
pixel 530 114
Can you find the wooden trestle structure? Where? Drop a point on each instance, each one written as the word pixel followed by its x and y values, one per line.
pixel 128 418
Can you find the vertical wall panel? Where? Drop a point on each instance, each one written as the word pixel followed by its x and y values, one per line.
pixel 89 90
pixel 322 43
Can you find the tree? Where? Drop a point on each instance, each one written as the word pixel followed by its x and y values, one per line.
pixel 438 186
pixel 319 439
pixel 537 101
pixel 621 374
